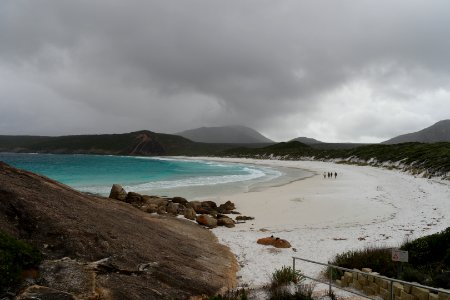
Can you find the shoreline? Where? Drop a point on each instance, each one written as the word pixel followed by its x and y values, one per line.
pixel 219 192
pixel 364 206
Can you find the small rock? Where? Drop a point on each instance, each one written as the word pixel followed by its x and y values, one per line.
pixel 244 218
pixel 228 206
pixel 189 213
pixel 207 221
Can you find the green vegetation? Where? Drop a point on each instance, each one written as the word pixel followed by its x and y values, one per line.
pixel 378 259
pixel 429 260
pixel 232 295
pixel 134 143
pixel 15 256
pixel 283 282
pixel 284 276
pixel 434 159
pixel 430 159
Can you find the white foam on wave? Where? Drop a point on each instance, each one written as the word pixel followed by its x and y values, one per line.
pixel 199 181
pixel 210 163
pixel 263 174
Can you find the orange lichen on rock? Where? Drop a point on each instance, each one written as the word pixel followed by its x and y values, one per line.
pixel 273 241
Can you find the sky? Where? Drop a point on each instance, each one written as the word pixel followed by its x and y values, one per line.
pixel 337 71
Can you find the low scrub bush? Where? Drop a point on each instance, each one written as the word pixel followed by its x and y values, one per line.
pixel 429 260
pixel 287 284
pixel 284 276
pixel 378 259
pixel 300 292
pixel 232 295
pixel 15 256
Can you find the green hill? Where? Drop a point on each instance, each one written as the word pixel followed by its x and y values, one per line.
pixel 144 143
pixel 429 159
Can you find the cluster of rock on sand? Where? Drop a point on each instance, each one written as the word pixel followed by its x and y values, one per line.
pixel 206 213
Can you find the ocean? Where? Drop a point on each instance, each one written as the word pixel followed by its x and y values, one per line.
pixel 195 179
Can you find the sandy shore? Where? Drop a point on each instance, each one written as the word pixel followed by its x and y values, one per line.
pixel 363 206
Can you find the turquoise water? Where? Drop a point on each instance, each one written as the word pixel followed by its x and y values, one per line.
pixel 159 176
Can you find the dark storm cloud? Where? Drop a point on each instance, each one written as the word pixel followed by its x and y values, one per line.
pixel 352 70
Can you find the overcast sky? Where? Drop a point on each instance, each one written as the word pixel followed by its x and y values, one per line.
pixel 337 71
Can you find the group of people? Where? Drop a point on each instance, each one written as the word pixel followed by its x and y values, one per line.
pixel 329 175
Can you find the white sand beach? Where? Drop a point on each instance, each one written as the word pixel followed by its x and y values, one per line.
pixel 363 206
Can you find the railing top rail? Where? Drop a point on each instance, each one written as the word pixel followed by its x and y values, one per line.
pixel 374 275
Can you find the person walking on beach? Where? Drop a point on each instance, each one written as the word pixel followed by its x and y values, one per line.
pixel 335 175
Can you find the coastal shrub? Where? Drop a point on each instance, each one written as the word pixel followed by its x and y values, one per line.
pixel 376 258
pixel 442 280
pixel 413 275
pixel 300 292
pixel 284 282
pixel 429 260
pixel 432 158
pixel 429 249
pixel 286 275
pixel 240 294
pixel 15 256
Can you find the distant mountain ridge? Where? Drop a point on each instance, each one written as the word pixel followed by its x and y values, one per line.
pixel 225 135
pixel 438 132
pixel 139 143
pixel 306 140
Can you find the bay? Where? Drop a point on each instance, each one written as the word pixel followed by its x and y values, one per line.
pixel 151 175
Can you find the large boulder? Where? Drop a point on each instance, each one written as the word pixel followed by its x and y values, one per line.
pixel 118 192
pixel 134 198
pixel 206 211
pixel 172 208
pixel 189 213
pixel 281 243
pixel 227 206
pixel 161 210
pixel 195 205
pixel 274 241
pixel 207 221
pixel 180 200
pixel 151 208
pixel 225 221
pixel 209 204
pixel 154 200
